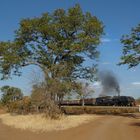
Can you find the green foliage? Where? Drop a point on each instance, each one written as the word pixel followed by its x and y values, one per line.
pixel 131 48
pixel 10 94
pixel 22 106
pixel 56 42
pixel 54 88
pixel 38 96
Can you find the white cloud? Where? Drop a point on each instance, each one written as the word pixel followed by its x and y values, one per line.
pixel 107 40
pixel 133 70
pixel 106 63
pixel 136 83
pixel 97 84
pixel 104 40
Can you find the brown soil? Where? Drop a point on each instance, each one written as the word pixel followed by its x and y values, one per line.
pixel 104 128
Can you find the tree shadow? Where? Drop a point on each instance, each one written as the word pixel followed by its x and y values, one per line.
pixel 135 124
pixel 131 115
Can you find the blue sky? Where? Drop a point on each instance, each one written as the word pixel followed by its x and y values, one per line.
pixel 118 16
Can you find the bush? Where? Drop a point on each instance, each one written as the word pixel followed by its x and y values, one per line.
pixel 52 110
pixel 21 106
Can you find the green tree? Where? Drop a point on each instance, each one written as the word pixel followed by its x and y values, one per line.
pixel 10 94
pixel 131 48
pixel 38 96
pixel 58 43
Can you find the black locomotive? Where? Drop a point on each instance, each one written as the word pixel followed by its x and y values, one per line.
pixel 115 101
pixel 102 101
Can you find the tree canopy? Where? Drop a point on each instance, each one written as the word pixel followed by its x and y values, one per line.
pixel 57 42
pixel 10 94
pixel 131 48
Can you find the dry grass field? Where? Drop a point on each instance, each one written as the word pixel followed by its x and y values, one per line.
pixel 76 127
pixel 40 123
pixel 99 109
pixel 107 127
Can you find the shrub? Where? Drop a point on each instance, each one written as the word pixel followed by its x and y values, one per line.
pixel 21 106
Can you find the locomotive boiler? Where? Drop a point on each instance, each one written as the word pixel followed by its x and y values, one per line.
pixel 115 101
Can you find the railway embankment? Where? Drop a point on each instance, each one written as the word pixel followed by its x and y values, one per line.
pixel 75 110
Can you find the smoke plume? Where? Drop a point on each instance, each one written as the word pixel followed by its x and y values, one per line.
pixel 110 85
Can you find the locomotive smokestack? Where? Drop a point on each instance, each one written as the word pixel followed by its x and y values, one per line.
pixel 118 90
pixel 109 83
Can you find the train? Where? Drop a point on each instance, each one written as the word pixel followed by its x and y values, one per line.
pixel 115 101
pixel 102 101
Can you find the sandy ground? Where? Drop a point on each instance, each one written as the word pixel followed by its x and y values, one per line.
pixel 104 128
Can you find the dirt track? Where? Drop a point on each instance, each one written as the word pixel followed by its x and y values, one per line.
pixel 104 128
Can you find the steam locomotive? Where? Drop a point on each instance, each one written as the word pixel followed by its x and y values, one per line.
pixel 102 101
pixel 115 101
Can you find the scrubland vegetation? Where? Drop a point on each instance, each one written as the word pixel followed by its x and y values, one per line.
pixel 59 43
pixel 98 110
pixel 40 123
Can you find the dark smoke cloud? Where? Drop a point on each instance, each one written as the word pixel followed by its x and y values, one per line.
pixel 110 85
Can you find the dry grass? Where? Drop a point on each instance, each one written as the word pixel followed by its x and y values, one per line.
pixel 39 123
pixel 99 109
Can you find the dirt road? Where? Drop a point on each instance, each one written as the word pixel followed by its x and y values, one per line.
pixel 104 128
